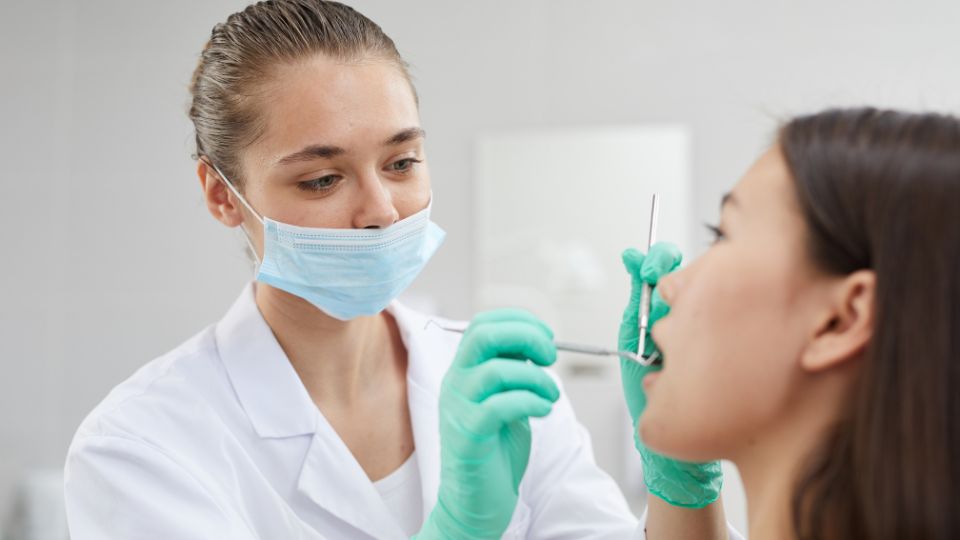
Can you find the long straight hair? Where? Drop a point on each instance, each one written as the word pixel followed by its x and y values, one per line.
pixel 880 190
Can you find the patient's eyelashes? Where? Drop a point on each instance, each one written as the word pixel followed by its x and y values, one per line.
pixel 716 231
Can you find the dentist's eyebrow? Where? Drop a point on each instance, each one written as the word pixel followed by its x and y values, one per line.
pixel 314 151
pixel 325 151
pixel 406 135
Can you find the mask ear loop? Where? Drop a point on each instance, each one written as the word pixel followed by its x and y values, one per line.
pixel 235 191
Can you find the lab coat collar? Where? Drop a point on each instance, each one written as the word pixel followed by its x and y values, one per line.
pixel 278 406
pixel 269 390
pixel 329 463
pixel 421 339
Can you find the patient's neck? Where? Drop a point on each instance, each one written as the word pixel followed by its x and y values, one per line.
pixel 772 462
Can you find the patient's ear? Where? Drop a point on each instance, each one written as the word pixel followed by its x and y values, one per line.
pixel 846 325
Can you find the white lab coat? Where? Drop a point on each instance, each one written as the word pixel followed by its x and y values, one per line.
pixel 219 439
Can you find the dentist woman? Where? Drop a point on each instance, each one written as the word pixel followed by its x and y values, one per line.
pixel 319 407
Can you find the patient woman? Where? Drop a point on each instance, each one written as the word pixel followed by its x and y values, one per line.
pixel 817 343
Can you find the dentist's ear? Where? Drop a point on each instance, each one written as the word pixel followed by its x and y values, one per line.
pixel 846 327
pixel 222 204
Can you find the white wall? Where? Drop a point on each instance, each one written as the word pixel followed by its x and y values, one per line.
pixel 109 256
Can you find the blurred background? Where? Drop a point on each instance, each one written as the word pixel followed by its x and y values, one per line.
pixel 550 124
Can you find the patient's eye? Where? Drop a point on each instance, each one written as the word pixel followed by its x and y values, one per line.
pixel 716 231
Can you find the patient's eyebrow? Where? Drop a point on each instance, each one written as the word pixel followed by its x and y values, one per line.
pixel 406 135
pixel 728 199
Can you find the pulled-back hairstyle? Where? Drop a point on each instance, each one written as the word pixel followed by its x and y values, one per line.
pixel 880 190
pixel 243 52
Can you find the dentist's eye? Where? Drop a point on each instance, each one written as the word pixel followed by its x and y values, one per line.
pixel 716 231
pixel 403 165
pixel 323 183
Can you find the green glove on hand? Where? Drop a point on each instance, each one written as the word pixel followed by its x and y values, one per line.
pixel 690 485
pixel 486 400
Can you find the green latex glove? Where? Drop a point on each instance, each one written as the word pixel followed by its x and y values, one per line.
pixel 486 400
pixel 690 485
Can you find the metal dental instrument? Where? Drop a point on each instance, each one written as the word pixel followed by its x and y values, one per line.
pixel 562 345
pixel 645 295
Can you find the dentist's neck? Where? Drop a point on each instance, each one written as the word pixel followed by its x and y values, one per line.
pixel 339 362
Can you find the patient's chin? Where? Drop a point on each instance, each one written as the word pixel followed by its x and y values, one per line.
pixel 675 440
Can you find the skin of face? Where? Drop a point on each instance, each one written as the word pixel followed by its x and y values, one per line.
pixel 742 317
pixel 341 147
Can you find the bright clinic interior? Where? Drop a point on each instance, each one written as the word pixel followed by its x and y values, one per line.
pixel 111 259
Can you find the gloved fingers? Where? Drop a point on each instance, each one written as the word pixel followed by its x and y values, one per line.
pixel 629 334
pixel 511 339
pixel 662 259
pixel 628 338
pixel 633 262
pixel 658 310
pixel 631 379
pixel 680 483
pixel 507 315
pixel 500 409
pixel 632 372
pixel 502 375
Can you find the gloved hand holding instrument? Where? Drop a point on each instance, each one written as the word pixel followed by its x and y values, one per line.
pixel 496 383
pixel 689 485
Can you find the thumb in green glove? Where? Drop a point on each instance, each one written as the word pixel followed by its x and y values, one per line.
pixel 690 485
pixel 496 383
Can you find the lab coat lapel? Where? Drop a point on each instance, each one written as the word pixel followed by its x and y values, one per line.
pixel 429 354
pixel 279 408
pixel 424 415
pixel 332 478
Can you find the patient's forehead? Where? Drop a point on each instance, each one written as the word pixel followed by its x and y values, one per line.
pixel 766 191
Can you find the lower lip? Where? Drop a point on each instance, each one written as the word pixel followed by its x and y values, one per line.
pixel 649 380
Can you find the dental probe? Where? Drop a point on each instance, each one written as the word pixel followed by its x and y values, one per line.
pixel 645 295
pixel 569 347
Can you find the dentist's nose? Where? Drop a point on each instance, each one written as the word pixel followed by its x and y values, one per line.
pixel 376 210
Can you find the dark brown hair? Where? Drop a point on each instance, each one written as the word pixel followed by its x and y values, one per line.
pixel 880 190
pixel 243 52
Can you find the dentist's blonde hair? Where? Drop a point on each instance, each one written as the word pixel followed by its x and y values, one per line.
pixel 243 53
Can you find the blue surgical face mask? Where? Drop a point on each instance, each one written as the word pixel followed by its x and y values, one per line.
pixel 347 273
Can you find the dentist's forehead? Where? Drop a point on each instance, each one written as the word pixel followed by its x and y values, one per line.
pixel 331 103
